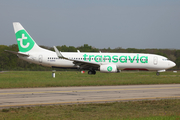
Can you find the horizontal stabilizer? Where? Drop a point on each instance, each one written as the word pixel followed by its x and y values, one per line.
pixel 17 53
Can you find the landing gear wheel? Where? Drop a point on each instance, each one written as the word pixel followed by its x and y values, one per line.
pixel 91 72
pixel 94 72
pixel 157 73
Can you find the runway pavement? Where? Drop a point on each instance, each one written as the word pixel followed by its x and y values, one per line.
pixel 73 95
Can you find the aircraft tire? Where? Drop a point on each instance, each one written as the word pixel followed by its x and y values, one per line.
pixel 94 72
pixel 89 72
pixel 157 73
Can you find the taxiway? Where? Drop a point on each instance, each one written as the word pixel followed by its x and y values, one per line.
pixel 74 95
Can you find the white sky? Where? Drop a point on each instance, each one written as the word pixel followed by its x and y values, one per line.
pixel 99 23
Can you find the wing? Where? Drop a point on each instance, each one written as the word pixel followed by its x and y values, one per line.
pixel 82 64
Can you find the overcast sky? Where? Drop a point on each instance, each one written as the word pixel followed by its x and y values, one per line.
pixel 99 23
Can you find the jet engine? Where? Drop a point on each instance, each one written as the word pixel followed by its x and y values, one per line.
pixel 108 68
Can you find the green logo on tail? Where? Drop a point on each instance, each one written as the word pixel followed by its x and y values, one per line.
pixel 25 42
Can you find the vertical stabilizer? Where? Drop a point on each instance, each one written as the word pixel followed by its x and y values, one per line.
pixel 24 40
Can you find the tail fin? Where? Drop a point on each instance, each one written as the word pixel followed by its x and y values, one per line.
pixel 24 40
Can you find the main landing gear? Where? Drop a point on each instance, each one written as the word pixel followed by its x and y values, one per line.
pixel 91 72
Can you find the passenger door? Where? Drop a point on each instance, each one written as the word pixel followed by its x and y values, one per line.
pixel 155 61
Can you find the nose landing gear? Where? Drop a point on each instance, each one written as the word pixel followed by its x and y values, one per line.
pixel 157 73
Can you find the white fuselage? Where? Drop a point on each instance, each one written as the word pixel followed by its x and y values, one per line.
pixel 123 61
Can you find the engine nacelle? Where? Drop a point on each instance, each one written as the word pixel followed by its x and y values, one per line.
pixel 109 68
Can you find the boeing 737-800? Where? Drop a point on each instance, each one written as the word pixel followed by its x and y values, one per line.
pixel 92 61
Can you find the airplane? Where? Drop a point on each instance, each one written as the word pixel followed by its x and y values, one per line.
pixel 91 61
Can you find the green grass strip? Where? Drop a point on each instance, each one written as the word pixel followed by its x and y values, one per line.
pixel 30 79
pixel 132 110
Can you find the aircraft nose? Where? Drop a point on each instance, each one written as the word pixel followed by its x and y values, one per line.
pixel 172 64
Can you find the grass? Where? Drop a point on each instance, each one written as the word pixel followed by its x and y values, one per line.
pixel 29 79
pixel 135 110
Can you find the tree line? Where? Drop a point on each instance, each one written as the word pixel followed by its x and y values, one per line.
pixel 10 61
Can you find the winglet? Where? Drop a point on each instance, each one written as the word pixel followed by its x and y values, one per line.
pixel 78 51
pixel 59 53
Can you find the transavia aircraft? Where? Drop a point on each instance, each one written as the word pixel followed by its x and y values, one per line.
pixel 92 61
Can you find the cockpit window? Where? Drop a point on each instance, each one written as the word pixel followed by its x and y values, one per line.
pixel 165 59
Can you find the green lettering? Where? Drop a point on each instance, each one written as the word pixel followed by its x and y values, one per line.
pixel 123 61
pixel 132 60
pixel 85 57
pixel 100 58
pixel 107 56
pixel 90 57
pixel 146 59
pixel 114 60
